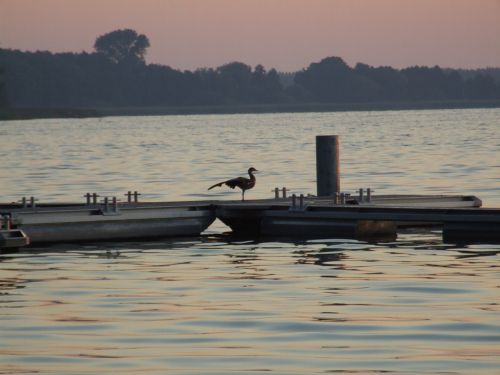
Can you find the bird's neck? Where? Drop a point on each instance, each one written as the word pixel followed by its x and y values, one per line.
pixel 252 177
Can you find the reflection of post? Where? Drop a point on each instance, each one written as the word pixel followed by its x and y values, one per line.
pixel 327 165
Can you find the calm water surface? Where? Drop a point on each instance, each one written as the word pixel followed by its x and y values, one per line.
pixel 215 305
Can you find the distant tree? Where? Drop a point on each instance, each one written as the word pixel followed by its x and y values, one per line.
pixel 163 85
pixel 259 74
pixel 234 81
pixel 122 46
pixel 467 74
pixel 386 83
pixel 425 83
pixel 205 91
pixel 265 87
pixel 286 78
pixel 330 80
pixel 481 87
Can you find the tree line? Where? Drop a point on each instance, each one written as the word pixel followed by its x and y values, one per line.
pixel 116 75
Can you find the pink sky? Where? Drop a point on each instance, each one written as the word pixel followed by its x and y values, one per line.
pixel 285 34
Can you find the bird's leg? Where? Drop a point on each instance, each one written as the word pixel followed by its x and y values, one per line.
pixel 242 195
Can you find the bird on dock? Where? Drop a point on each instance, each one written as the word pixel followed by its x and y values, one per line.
pixel 242 182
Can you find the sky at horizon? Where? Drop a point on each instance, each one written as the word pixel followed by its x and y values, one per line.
pixel 284 34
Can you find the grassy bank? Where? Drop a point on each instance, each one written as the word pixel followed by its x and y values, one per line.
pixel 37 113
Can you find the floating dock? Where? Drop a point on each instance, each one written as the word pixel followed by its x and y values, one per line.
pixel 13 239
pixel 50 223
pixel 364 217
pixel 330 214
pixel 460 218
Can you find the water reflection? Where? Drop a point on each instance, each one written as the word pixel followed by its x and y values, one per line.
pixel 325 258
pixel 212 304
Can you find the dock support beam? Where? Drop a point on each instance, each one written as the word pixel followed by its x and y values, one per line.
pixel 327 165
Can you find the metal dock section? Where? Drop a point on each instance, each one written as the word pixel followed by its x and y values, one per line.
pixel 364 216
pixel 459 217
pixel 51 223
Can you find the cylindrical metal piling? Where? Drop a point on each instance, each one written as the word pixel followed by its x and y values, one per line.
pixel 327 165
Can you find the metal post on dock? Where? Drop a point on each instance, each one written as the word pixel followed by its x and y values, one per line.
pixel 361 195
pixel 284 192
pixel 87 198
pixel 327 165
pixel 342 198
pixel 94 198
pixel 129 196
pixel 294 200
pixel 136 196
pixel 301 201
pixel 368 195
pixel 276 193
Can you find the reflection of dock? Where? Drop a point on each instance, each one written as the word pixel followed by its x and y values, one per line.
pixel 460 217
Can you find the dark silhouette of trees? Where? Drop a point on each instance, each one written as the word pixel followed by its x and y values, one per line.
pixel 117 76
pixel 3 98
pixel 122 46
pixel 233 82
pixel 236 83
pixel 330 80
pixel 384 83
pixel 266 87
pixel 482 87
pixel 425 83
pixel 333 81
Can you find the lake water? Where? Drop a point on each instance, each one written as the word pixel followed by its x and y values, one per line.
pixel 212 305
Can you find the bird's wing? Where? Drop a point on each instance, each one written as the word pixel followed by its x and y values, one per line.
pixel 238 181
pixel 232 183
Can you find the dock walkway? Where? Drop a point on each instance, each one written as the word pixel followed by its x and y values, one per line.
pixel 460 217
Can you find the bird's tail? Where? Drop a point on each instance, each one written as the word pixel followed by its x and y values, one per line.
pixel 216 185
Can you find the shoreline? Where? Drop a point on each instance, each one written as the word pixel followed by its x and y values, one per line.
pixel 49 113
